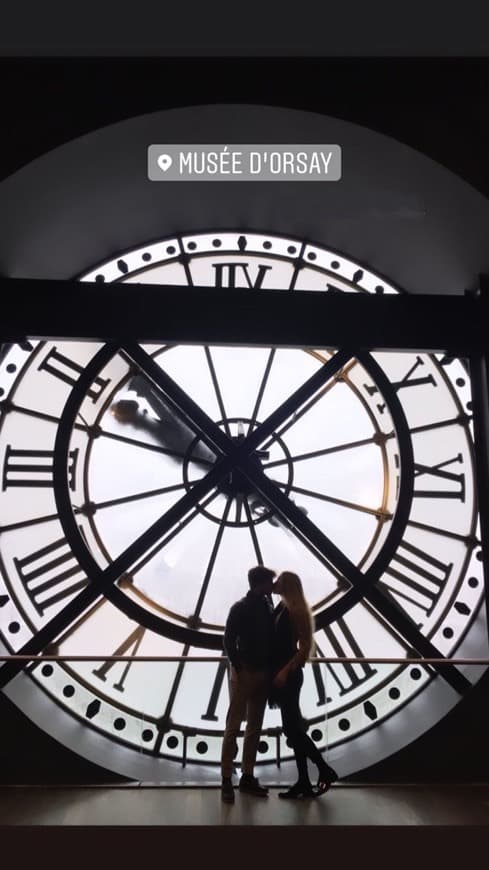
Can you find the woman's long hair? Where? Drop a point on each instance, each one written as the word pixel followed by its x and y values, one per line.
pixel 300 612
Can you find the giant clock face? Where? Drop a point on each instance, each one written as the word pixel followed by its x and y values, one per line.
pixel 140 483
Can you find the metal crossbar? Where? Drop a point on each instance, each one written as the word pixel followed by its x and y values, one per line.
pixel 318 660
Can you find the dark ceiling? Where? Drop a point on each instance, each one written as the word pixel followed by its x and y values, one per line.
pixel 437 105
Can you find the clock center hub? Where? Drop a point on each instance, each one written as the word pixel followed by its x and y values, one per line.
pixel 237 483
pixel 247 504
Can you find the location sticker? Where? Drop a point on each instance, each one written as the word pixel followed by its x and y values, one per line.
pixel 164 162
pixel 231 162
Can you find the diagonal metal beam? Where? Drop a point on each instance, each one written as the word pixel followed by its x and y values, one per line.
pixel 362 585
pixel 205 427
pixel 102 581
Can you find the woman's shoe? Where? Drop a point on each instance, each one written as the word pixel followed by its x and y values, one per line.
pixel 299 791
pixel 326 776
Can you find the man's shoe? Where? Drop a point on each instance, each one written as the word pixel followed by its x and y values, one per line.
pixel 250 785
pixel 227 791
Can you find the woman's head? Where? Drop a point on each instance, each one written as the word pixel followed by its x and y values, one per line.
pixel 289 586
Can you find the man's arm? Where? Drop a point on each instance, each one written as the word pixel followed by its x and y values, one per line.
pixel 231 633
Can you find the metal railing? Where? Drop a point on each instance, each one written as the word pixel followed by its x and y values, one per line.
pixel 319 659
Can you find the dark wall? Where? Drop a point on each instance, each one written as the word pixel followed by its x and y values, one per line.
pixel 437 106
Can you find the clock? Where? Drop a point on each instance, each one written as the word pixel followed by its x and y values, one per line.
pixel 140 482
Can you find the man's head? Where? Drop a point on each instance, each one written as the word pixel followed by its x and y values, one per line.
pixel 261 579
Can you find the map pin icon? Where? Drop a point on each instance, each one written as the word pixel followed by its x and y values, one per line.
pixel 164 162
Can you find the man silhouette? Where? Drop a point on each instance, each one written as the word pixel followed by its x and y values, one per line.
pixel 248 640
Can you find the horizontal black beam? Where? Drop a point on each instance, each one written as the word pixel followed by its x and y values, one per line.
pixel 456 325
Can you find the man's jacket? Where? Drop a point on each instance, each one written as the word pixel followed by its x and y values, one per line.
pixel 248 637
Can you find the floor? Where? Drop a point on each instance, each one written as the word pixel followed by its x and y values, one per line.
pixel 352 826
pixel 146 806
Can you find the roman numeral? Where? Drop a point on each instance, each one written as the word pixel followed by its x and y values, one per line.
pixel 456 481
pixel 318 679
pixel 128 647
pixel 210 713
pixel 69 371
pixel 34 468
pixel 407 381
pixel 50 575
pixel 420 578
pixel 347 676
pixel 226 274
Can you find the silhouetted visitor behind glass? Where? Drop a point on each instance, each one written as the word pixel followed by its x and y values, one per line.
pixel 248 640
pixel 293 642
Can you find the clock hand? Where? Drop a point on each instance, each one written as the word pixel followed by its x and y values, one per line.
pixel 259 508
pixel 174 429
pixel 175 435
pixel 141 386
pixel 170 433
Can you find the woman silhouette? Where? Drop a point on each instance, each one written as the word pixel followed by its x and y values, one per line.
pixel 292 648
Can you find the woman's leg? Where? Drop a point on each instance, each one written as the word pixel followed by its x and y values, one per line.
pixel 326 773
pixel 293 725
pixel 309 748
pixel 295 730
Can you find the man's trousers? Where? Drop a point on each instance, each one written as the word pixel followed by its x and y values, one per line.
pixel 248 697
